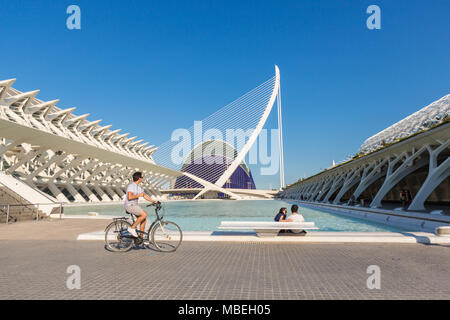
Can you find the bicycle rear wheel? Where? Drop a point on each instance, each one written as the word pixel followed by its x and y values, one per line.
pixel 166 236
pixel 117 238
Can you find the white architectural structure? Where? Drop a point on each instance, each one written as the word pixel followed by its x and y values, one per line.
pixel 56 155
pixel 423 119
pixel 419 162
pixel 245 117
pixel 68 156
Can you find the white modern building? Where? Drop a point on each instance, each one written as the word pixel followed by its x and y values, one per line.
pixel 411 155
pixel 244 118
pixel 49 154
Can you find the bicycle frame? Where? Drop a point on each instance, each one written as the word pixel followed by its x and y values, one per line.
pixel 157 220
pixel 158 233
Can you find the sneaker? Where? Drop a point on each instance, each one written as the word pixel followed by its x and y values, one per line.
pixel 132 232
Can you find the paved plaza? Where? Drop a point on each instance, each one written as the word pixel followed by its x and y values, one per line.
pixel 33 268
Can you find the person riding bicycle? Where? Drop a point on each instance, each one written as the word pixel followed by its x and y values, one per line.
pixel 134 192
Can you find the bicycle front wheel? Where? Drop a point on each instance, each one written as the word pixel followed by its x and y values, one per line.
pixel 117 237
pixel 167 236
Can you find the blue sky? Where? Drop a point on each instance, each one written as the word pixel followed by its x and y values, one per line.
pixel 149 67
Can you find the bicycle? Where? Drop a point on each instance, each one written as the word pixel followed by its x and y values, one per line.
pixel 165 235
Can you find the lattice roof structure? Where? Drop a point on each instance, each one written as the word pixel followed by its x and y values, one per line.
pixel 427 117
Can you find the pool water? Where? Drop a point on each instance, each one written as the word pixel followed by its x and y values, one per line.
pixel 206 215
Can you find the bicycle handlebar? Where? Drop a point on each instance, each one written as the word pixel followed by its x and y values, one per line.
pixel 158 205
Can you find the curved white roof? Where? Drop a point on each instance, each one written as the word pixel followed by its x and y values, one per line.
pixel 423 119
pixel 23 108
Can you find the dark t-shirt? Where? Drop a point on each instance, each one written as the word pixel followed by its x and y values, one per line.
pixel 278 216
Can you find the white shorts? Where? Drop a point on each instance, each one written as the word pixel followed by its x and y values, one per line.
pixel 134 209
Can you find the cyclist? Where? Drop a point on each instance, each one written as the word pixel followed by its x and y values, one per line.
pixel 134 192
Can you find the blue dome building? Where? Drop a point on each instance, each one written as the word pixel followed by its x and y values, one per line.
pixel 209 160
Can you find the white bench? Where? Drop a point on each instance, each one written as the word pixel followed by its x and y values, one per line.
pixel 266 228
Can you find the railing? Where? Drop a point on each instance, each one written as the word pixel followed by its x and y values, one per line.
pixel 6 209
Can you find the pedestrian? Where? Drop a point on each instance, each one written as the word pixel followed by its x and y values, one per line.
pixel 408 197
pixel 403 198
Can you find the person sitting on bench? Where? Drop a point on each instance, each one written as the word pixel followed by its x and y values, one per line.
pixel 281 216
pixel 296 217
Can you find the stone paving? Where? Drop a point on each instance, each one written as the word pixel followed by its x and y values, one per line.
pixel 223 270
pixel 54 229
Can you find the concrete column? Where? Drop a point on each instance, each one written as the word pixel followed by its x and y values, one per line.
pixel 393 177
pixel 314 190
pixel 101 193
pixel 75 194
pixel 337 182
pixel 65 169
pixel 83 187
pixel 113 194
pixel 120 192
pixel 109 174
pixel 56 192
pixel 436 174
pixel 352 178
pixel 95 184
pixel 324 189
pixel 370 177
pixel 300 192
pixel 307 191
pixel 89 193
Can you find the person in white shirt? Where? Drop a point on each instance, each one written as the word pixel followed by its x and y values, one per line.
pixel 296 217
pixel 134 192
